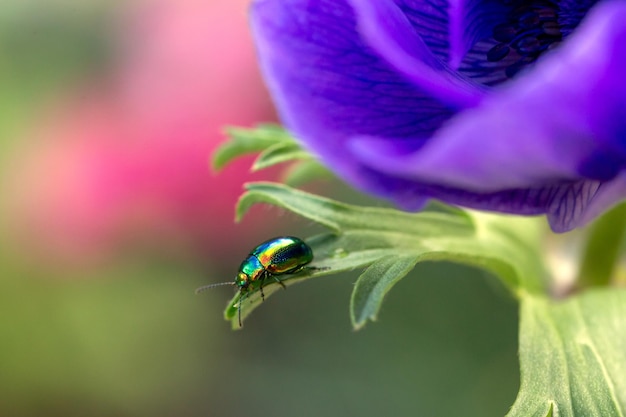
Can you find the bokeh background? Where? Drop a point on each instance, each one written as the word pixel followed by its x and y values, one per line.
pixel 111 217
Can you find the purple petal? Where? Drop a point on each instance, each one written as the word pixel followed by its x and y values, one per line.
pixel 608 195
pixel 564 119
pixel 387 29
pixel 562 122
pixel 471 21
pixel 565 204
pixel 429 18
pixel 328 84
pixel 356 85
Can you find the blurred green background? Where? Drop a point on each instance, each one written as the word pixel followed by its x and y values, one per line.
pixel 111 218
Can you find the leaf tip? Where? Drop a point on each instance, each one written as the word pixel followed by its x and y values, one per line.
pixel 257 165
pixel 551 410
pixel 243 204
pixel 217 160
pixel 358 326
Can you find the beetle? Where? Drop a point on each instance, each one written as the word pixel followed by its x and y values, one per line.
pixel 277 256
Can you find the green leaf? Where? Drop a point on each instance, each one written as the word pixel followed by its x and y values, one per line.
pixel 374 283
pixel 573 356
pixel 392 241
pixel 341 217
pixel 245 141
pixel 279 153
pixel 275 146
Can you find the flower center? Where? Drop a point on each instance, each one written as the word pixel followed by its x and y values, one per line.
pixel 531 28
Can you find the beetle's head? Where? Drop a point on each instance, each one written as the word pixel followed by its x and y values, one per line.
pixel 242 281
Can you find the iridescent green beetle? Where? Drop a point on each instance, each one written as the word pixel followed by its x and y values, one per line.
pixel 272 258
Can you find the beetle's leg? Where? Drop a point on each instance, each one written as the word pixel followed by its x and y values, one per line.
pixel 317 268
pixel 279 281
pixel 310 268
pixel 262 280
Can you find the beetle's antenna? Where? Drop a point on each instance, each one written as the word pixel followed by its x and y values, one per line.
pixel 206 287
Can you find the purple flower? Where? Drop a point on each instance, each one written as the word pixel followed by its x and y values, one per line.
pixel 517 106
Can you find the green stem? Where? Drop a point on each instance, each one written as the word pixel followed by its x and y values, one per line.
pixel 601 253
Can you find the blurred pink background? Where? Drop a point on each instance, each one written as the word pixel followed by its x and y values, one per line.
pixel 123 159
